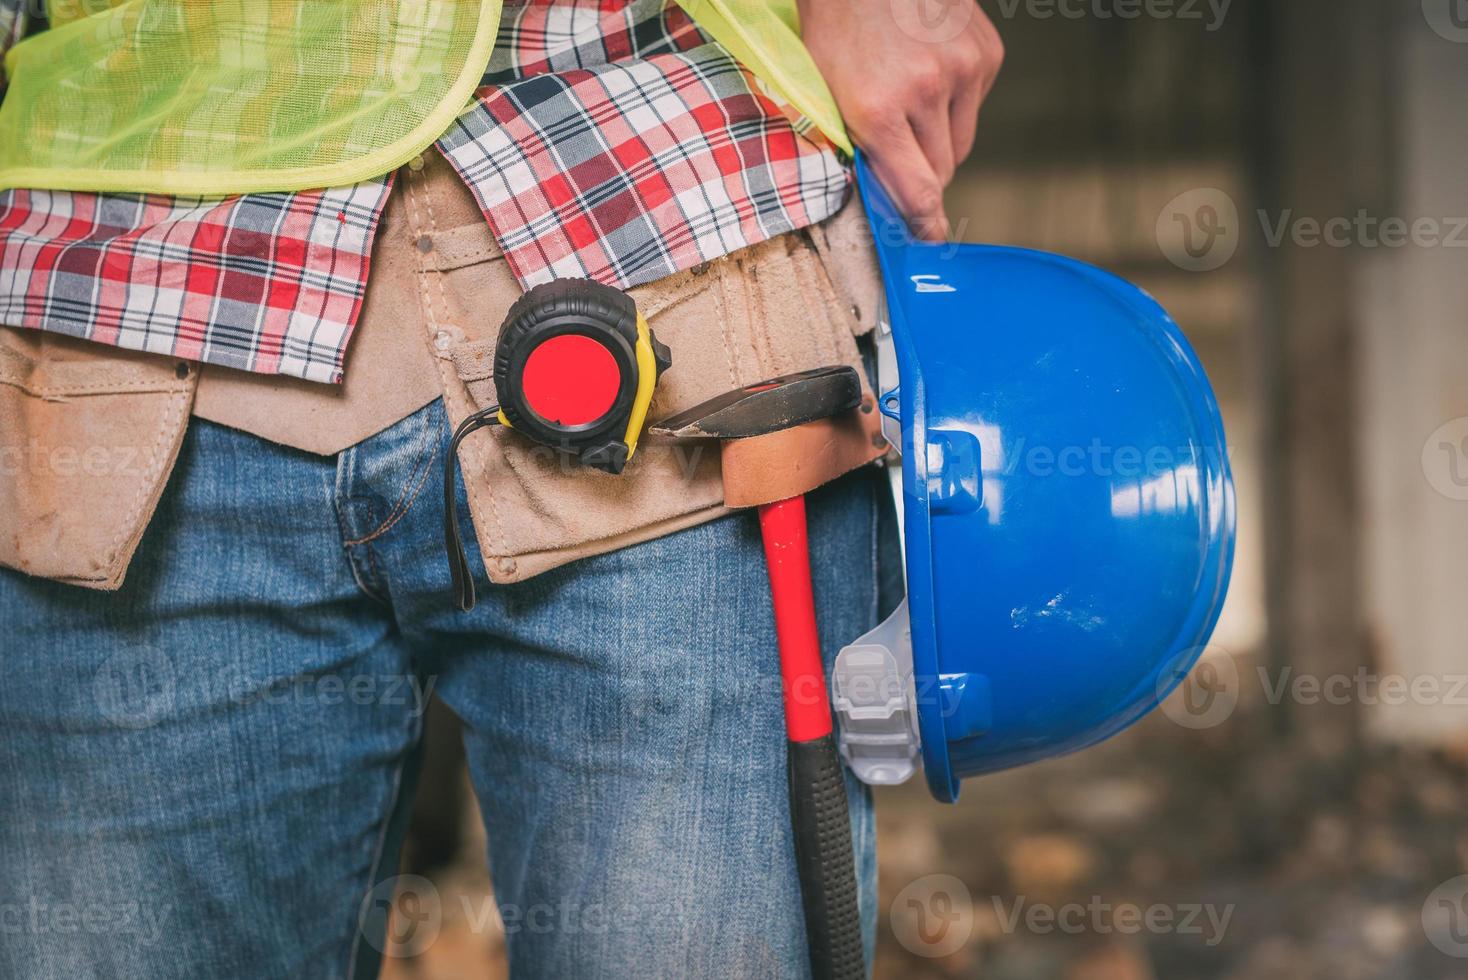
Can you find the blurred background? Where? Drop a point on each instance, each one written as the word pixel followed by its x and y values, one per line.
pixel 1290 179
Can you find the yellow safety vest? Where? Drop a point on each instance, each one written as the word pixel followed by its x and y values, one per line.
pixel 215 97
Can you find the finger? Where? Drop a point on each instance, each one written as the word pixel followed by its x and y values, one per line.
pixel 991 59
pixel 932 126
pixel 964 121
pixel 977 78
pixel 906 173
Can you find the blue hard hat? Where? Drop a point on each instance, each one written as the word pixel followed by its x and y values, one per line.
pixel 1068 510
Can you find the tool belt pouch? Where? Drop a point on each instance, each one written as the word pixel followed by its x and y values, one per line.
pixel 88 436
pixel 767 310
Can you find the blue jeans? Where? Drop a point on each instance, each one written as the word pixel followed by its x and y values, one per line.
pixel 207 773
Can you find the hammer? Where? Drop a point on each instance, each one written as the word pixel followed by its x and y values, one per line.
pixel 819 404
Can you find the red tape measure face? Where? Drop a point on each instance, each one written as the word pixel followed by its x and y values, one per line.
pixel 570 380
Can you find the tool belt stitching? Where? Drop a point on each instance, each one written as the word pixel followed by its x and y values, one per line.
pixel 476 457
pixel 816 277
pixel 156 459
pixel 59 380
pixel 767 363
pixel 831 237
pixel 731 359
pixel 474 362
pixel 456 248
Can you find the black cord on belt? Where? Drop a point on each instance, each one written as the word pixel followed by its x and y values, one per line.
pixel 463 578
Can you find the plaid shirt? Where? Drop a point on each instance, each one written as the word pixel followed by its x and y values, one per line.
pixel 611 139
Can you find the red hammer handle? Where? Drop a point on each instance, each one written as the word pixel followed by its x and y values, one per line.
pixel 787 553
pixel 818 812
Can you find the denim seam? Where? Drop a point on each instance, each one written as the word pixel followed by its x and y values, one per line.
pixel 384 824
pixel 379 579
pixel 342 503
pixel 369 589
pixel 338 503
pixel 404 503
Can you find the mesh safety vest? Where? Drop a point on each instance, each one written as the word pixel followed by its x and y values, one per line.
pixel 214 97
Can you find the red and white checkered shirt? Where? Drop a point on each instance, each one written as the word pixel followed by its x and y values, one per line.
pixel 611 139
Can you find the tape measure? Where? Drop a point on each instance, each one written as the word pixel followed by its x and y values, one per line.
pixel 575 368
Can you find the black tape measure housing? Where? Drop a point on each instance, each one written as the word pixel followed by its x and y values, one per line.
pixel 586 309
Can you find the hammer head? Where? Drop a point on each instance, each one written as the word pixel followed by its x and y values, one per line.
pixel 769 406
